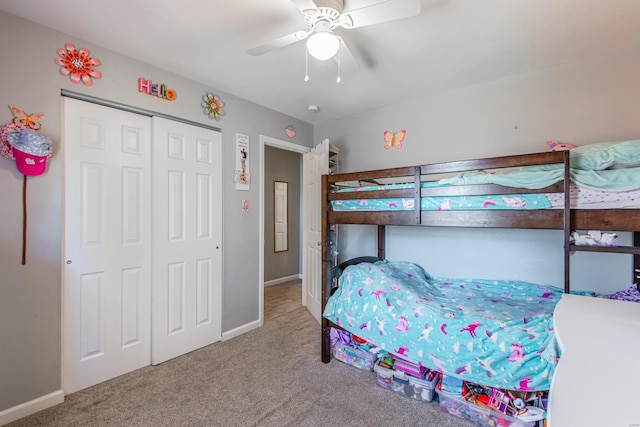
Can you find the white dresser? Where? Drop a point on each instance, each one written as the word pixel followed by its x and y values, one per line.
pixel 597 381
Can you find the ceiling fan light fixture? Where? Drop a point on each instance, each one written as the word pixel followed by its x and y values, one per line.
pixel 323 45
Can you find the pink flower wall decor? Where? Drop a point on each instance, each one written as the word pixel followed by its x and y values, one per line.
pixel 77 64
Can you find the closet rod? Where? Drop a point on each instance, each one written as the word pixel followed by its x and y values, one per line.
pixel 130 109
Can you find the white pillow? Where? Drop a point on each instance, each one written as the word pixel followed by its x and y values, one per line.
pixel 606 155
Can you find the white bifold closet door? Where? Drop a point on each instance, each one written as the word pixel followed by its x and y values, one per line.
pixel 119 271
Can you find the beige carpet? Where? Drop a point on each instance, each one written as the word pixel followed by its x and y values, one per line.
pixel 272 376
pixel 282 299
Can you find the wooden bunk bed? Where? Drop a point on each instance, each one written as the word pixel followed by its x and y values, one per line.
pixel 562 217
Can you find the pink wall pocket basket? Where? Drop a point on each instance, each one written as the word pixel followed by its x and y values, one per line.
pixel 30 150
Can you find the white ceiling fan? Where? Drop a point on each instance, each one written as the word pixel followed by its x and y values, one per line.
pixel 322 17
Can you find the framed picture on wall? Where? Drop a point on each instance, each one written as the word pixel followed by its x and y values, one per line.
pixel 242 175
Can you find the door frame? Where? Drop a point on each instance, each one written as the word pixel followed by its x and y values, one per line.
pixel 265 140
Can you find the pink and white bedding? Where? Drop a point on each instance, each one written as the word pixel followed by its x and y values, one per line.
pixel 587 198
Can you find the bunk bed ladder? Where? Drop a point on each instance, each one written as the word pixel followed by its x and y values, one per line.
pixel 331 272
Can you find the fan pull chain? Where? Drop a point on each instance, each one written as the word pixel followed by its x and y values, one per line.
pixel 306 65
pixel 338 80
pixel 24 220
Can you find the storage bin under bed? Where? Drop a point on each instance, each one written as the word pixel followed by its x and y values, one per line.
pixel 456 405
pixel 353 356
pixel 406 385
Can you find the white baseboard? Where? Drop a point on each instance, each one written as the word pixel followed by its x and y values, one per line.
pixel 282 280
pixel 240 330
pixel 22 410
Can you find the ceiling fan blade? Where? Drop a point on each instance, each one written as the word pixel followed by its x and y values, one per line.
pixel 303 5
pixel 359 4
pixel 348 62
pixel 386 11
pixel 278 43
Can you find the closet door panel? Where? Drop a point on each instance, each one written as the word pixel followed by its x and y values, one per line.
pixel 187 255
pixel 107 246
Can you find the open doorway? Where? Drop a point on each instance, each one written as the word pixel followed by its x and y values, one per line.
pixel 280 270
pixel 282 231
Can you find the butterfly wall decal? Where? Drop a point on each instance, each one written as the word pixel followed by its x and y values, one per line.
pixel 31 121
pixel 394 139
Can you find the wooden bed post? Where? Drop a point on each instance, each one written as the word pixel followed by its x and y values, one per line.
pixel 326 277
pixel 636 258
pixel 567 221
pixel 381 242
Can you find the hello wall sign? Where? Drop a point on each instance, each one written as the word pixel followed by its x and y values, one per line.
pixel 155 89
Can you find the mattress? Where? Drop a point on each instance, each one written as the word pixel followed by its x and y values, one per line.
pixel 512 201
pixel 581 198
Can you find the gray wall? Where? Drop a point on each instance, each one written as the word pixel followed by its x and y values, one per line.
pixel 282 165
pixel 582 102
pixel 30 295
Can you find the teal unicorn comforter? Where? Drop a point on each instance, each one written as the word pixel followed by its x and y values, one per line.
pixel 497 333
pixel 438 203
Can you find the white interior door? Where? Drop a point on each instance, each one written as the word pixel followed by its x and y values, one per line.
pixel 316 164
pixel 187 223
pixel 106 309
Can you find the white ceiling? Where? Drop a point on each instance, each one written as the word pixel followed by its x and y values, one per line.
pixel 449 45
